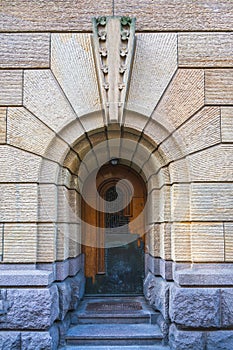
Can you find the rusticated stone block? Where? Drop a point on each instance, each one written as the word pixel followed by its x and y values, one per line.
pixel 24 50
pixel 78 289
pixel 155 62
pixel 156 291
pixel 63 328
pixel 64 289
pixel 195 307
pixel 148 286
pixel 10 340
pixel 219 340
pixel 31 308
pixel 205 49
pixel 58 15
pixel 219 86
pixel 36 340
pixel 227 307
pixel 179 15
pixel 11 87
pixel 185 340
pixel 40 340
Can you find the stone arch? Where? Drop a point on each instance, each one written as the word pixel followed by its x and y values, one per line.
pixel 166 216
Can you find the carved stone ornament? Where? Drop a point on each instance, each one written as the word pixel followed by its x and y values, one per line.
pixel 114 44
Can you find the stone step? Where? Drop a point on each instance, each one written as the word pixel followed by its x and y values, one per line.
pixel 86 316
pixel 113 347
pixel 100 318
pixel 114 334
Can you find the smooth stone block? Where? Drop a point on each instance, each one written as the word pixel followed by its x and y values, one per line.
pixel 19 278
pixel 204 277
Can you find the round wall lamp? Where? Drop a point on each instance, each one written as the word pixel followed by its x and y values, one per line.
pixel 114 161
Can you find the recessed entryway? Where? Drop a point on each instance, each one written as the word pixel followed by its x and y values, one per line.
pixel 115 267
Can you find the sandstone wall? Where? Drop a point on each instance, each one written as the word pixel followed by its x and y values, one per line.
pixel 180 96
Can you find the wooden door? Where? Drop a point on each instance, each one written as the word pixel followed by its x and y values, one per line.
pixel 113 266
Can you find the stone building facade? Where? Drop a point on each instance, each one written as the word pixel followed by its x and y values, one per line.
pixel 69 87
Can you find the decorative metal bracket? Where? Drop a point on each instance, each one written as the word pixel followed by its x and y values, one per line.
pixel 114 44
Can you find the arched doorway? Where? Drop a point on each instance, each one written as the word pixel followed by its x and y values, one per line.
pixel 115 264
